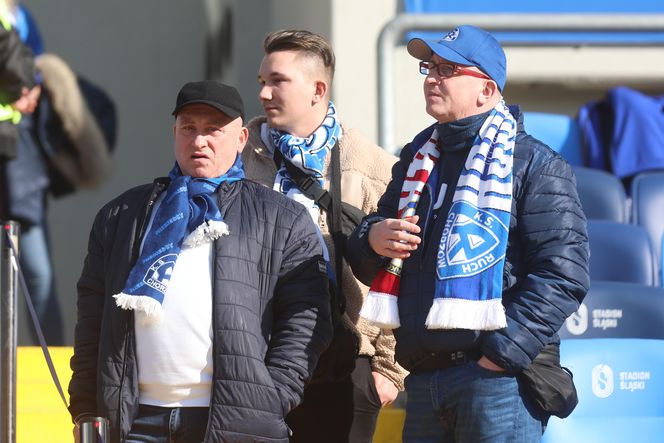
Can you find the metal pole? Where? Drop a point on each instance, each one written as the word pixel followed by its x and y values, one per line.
pixel 8 335
pixel 393 32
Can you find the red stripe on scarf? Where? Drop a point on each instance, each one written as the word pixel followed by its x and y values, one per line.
pixel 386 283
pixel 421 175
pixel 405 194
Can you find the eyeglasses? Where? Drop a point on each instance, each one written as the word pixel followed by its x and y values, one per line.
pixel 445 70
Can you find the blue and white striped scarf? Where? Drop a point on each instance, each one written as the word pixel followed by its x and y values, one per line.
pixel 307 154
pixel 188 216
pixel 471 253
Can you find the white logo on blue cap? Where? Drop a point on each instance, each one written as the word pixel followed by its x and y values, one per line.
pixel 451 36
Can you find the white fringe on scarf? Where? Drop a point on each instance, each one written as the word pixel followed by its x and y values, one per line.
pixel 147 308
pixel 382 310
pixel 458 313
pixel 205 233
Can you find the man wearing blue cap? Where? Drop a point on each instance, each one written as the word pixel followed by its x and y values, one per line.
pixel 476 256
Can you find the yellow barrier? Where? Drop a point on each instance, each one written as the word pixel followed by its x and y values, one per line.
pixel 389 426
pixel 41 417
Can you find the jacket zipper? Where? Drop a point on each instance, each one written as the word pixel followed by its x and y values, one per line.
pixel 156 190
pixel 214 343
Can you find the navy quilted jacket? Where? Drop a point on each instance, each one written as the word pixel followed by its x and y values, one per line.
pixel 546 267
pixel 271 313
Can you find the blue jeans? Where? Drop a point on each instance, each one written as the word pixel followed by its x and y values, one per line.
pixel 35 259
pixel 155 424
pixel 468 404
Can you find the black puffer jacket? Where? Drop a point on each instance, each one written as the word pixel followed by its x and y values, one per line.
pixel 271 313
pixel 546 268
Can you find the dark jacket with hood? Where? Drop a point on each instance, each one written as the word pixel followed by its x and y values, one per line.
pixel 546 267
pixel 271 317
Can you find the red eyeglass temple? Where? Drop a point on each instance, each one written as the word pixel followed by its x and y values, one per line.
pixel 471 73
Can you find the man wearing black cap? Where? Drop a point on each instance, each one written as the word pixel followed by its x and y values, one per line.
pixel 477 254
pixel 203 302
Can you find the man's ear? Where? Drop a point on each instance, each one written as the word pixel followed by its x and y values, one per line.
pixel 242 138
pixel 320 92
pixel 488 92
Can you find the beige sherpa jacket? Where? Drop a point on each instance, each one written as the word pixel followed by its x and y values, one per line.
pixel 365 173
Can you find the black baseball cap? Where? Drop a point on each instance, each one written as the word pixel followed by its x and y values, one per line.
pixel 223 97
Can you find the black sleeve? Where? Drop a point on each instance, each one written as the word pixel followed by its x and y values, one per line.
pixel 362 259
pixel 90 305
pixel 302 327
pixel 555 249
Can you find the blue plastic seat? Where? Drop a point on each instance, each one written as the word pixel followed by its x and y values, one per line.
pixel 619 383
pixel 618 310
pixel 648 211
pixel 560 132
pixel 620 252
pixel 602 194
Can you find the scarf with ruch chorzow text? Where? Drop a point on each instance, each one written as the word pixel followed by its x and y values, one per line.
pixel 471 252
pixel 188 216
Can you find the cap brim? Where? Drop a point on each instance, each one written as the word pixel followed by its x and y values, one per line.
pixel 232 113
pixel 423 50
pixel 419 49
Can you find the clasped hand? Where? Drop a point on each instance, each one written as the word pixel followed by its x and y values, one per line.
pixel 395 238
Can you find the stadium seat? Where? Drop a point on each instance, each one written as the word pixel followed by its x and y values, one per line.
pixel 647 192
pixel 602 194
pixel 560 132
pixel 619 383
pixel 618 310
pixel 620 252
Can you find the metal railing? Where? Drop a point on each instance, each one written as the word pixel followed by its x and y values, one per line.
pixel 393 32
pixel 8 331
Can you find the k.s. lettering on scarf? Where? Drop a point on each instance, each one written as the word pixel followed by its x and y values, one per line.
pixel 188 216
pixel 471 251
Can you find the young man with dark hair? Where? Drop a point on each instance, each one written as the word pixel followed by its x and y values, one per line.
pixel 301 123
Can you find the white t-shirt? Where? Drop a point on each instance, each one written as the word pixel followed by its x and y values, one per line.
pixel 175 365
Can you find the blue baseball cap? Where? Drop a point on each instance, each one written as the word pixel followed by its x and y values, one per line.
pixel 466 45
